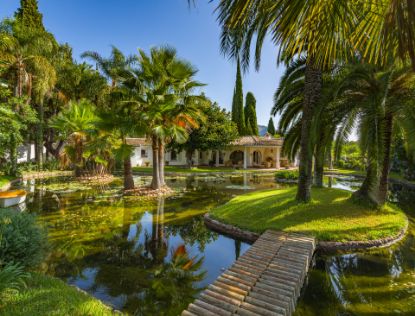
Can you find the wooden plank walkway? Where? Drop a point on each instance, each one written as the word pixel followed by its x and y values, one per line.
pixel 266 280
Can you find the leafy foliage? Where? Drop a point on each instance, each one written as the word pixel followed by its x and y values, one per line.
pixel 238 116
pixel 251 122
pixel 12 277
pixel 22 241
pixel 271 127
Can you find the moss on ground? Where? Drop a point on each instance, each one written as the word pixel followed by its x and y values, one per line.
pixel 330 216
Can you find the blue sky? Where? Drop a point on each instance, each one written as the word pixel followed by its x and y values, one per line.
pixel 131 24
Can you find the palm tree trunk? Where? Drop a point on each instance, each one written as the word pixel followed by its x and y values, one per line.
pixel 319 168
pixel 161 163
pixel 312 92
pixel 128 174
pixel 383 183
pixel 39 135
pixel 13 155
pixel 155 183
pixel 365 192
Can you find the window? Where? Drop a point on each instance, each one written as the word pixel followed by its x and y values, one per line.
pixel 173 155
pixel 144 153
pixel 200 155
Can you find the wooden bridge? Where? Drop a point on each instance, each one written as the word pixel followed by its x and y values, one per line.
pixel 266 280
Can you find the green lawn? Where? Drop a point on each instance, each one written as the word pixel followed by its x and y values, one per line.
pixel 49 296
pixel 331 216
pixel 5 180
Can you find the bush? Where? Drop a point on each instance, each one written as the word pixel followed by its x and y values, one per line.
pixel 12 277
pixel 287 175
pixel 22 241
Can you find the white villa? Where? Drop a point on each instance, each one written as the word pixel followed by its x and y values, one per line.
pixel 245 152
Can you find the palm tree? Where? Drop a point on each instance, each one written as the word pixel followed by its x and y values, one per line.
pixel 112 67
pixel 162 89
pixel 382 102
pixel 325 32
pixel 288 101
pixel 297 28
pixel 76 124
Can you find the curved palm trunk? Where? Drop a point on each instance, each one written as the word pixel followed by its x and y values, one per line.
pixel 366 190
pixel 128 174
pixel 155 183
pixel 161 162
pixel 387 141
pixel 312 92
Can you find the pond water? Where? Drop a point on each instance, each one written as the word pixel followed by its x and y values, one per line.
pixel 122 249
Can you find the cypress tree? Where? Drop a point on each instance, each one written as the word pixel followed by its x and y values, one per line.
pixel 271 127
pixel 29 16
pixel 238 102
pixel 251 123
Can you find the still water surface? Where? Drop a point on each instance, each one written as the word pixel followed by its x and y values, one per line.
pixel 123 250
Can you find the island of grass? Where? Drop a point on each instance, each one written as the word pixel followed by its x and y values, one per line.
pixel 45 295
pixel 330 216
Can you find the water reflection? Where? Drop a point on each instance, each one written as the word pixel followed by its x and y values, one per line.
pixel 376 282
pixel 125 251
pixel 149 257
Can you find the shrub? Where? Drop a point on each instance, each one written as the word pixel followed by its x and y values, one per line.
pixel 12 277
pixel 22 241
pixel 287 175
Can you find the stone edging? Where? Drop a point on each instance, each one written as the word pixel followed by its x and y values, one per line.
pixel 324 246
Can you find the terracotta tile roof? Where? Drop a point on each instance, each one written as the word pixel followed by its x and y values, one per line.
pixel 242 141
pixel 258 141
pixel 137 141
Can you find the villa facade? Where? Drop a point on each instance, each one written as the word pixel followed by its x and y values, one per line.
pixel 245 152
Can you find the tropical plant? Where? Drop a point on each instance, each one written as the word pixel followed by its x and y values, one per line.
pixel 114 66
pixel 162 89
pixel 22 240
pixel 12 277
pixel 76 124
pixel 15 116
pixel 378 101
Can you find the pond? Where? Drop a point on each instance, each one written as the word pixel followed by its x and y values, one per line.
pixel 122 249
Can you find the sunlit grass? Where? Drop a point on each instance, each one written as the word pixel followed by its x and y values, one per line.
pixel 331 215
pixel 49 296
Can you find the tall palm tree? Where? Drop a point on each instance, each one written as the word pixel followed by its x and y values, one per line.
pixel 325 32
pixel 298 28
pixel 378 101
pixel 112 67
pixel 163 89
pixel 288 101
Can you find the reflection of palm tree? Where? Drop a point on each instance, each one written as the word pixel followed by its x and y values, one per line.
pixel 158 244
pixel 173 285
pixel 237 249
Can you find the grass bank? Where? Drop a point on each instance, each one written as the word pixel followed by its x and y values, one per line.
pixel 349 172
pixel 5 180
pixel 331 216
pixel 50 296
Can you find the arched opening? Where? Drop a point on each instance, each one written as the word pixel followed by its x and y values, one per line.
pixel 237 157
